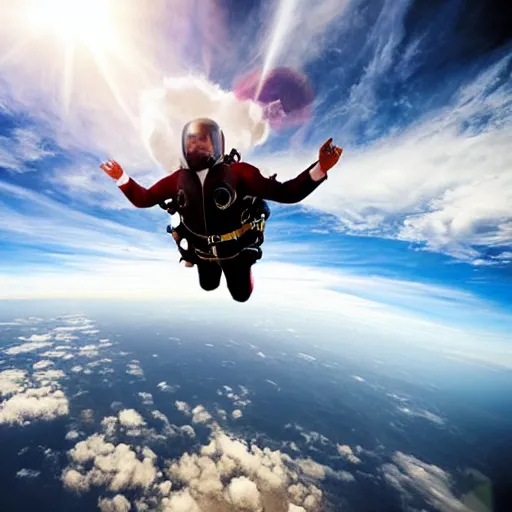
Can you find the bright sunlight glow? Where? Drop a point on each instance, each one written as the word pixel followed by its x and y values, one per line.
pixel 85 21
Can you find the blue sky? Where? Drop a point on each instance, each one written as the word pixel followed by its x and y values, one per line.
pixel 418 96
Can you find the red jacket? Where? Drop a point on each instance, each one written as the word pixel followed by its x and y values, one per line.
pixel 199 212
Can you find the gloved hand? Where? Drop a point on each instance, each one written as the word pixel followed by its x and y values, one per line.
pixel 113 169
pixel 329 155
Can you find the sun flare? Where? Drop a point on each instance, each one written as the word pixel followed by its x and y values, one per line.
pixel 74 21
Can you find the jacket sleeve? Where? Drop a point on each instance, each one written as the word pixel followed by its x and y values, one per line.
pixel 291 191
pixel 147 197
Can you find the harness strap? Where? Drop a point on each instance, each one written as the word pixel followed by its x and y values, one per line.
pixel 258 224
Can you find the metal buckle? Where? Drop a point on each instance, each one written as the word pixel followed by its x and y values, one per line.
pixel 214 239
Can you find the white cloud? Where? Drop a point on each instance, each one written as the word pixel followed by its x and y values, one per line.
pixel 410 475
pixel 22 147
pixel 46 377
pixel 146 398
pixel 130 418
pixel 252 476
pixel 183 407
pixel 433 182
pixel 227 470
pixel 115 466
pixel 188 430
pixel 346 452
pixel 89 351
pixel 164 386
pixel 299 31
pixel 27 347
pixel 27 473
pixel 310 436
pixel 237 413
pixel 36 337
pixel 243 494
pixel 422 413
pixel 163 120
pixel 169 429
pixel 58 354
pixel 116 504
pixel 41 365
pixel 34 404
pixel 72 435
pixel 133 368
pixel 200 415
pixel 239 398
pixel 12 381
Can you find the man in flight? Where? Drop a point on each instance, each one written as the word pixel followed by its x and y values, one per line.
pixel 220 204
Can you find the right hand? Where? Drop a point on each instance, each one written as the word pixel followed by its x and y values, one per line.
pixel 329 155
pixel 113 169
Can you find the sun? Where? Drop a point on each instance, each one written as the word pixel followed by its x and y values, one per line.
pixel 73 21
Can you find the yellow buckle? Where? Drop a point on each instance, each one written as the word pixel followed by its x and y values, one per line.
pixel 237 233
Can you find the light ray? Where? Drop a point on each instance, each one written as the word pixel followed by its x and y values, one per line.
pixel 112 84
pixel 68 77
pixel 281 28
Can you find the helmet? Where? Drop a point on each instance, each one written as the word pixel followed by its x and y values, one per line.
pixel 202 143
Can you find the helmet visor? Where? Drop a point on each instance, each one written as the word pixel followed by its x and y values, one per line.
pixel 203 143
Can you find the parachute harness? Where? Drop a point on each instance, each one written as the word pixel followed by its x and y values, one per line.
pixel 257 224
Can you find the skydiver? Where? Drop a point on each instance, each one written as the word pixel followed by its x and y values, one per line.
pixel 221 204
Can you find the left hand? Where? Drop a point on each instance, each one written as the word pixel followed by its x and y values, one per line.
pixel 329 155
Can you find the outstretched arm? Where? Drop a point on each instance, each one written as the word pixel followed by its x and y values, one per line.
pixel 137 194
pixel 296 189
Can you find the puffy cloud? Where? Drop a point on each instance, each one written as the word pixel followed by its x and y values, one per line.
pixel 89 351
pixel 12 381
pixel 200 415
pixel 169 429
pixel 239 398
pixel 36 337
pixel 228 474
pixel 130 418
pixel 241 121
pixel 243 494
pixel 189 431
pixel 34 403
pixel 116 504
pixel 244 478
pixel 41 365
pixel 295 508
pixel 164 386
pixel 133 368
pixel 72 435
pixel 443 183
pixel 27 347
pixel 181 502
pixel 346 452
pixel 57 354
pixel 147 398
pixel 109 425
pixel 46 377
pixel 237 413
pixel 312 469
pixel 182 407
pixel 115 466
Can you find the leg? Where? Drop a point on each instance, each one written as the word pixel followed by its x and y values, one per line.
pixel 239 278
pixel 209 275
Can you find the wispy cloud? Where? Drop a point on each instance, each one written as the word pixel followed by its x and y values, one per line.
pixel 81 232
pixel 22 147
pixel 301 31
pixel 443 182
